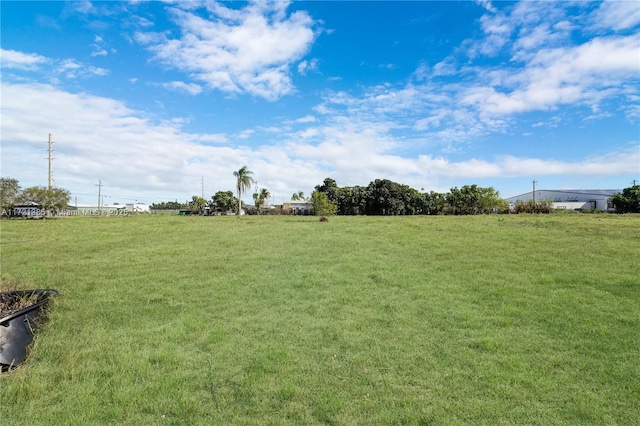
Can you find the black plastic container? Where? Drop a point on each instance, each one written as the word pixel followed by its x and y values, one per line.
pixel 17 328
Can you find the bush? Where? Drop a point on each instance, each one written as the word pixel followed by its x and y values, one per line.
pixel 322 206
pixel 628 201
pixel 544 206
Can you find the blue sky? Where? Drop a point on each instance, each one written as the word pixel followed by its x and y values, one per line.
pixel 155 98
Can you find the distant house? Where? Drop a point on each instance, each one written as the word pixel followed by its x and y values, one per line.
pixel 575 199
pixel 298 206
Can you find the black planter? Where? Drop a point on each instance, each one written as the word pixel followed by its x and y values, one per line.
pixel 16 329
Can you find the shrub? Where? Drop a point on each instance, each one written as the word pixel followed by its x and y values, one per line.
pixel 544 206
pixel 628 201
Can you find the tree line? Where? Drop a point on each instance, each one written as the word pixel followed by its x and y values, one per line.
pixel 383 197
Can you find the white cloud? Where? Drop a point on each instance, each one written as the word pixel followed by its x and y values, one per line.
pixel 534 37
pixel 306 119
pixel 248 50
pixel 141 21
pixel 21 61
pixel 445 67
pixel 306 66
pixel 100 138
pixel 47 22
pixel 217 138
pixel 245 134
pixel 487 5
pixel 623 161
pixel 98 47
pixel 547 68
pixel 180 86
pixel 68 68
pixel 83 7
pixel 617 15
pixel 356 155
pixel 584 74
pixel 450 105
pixel 498 29
pixel 72 69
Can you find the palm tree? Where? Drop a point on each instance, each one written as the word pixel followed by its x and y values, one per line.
pixel 264 195
pixel 243 182
pixel 260 197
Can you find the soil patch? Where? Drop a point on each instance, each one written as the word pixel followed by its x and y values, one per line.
pixel 11 302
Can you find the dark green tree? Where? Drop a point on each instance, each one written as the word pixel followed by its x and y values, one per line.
pixel 49 200
pixel 168 205
pixel 472 199
pixel 330 188
pixel 433 203
pixel 387 198
pixel 628 201
pixel 197 204
pixel 352 200
pixel 491 202
pixel 414 201
pixel 224 201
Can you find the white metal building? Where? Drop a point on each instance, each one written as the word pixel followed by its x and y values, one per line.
pixel 574 199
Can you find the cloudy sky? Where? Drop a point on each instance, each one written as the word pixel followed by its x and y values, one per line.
pixel 153 99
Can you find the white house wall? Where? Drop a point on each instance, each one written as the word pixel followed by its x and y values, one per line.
pixel 580 205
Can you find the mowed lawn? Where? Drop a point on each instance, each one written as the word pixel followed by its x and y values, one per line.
pixel 357 321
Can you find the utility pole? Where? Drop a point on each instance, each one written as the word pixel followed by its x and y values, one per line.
pixel 99 185
pixel 535 206
pixel 50 161
pixel 256 193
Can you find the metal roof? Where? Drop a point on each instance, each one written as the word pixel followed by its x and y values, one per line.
pixel 590 192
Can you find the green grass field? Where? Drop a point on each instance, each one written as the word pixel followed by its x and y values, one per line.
pixel 357 321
